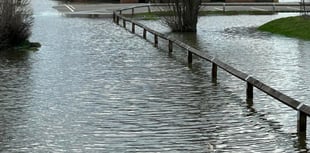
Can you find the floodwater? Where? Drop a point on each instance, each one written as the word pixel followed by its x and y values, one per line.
pixel 94 87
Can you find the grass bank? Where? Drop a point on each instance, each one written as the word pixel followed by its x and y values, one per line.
pixel 297 27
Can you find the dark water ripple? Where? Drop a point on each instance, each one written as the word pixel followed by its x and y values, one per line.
pixel 94 87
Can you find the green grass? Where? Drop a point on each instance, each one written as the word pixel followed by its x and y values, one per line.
pixel 297 27
pixel 148 16
pixel 28 46
pixel 205 13
pixel 156 15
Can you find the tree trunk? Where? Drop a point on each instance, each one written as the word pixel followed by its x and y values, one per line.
pixel 182 15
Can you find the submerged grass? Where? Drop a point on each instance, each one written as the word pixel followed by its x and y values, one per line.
pixel 297 27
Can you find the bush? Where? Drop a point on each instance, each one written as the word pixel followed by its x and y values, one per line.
pixel 183 15
pixel 15 22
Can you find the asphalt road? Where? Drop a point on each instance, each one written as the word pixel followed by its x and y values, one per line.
pixel 106 9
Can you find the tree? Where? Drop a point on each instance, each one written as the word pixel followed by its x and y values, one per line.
pixel 15 22
pixel 182 15
pixel 303 7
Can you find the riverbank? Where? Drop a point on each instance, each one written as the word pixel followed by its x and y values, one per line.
pixel 297 27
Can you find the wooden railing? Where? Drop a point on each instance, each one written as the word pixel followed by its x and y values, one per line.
pixel 251 82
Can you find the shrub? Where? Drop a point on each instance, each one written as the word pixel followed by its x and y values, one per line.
pixel 15 22
pixel 183 15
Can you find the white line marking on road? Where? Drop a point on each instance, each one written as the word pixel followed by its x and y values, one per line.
pixel 293 8
pixel 259 9
pixel 70 7
pixel 216 8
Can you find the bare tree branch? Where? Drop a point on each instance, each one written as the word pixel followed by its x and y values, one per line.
pixel 182 15
pixel 15 22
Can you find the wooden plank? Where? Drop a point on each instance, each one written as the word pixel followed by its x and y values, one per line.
pixel 231 69
pixel 276 94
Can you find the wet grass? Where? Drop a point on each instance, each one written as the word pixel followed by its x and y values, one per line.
pixel 156 15
pixel 27 46
pixel 297 27
pixel 204 13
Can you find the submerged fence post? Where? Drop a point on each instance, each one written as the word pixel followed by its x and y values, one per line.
pixel 170 46
pixel 124 23
pixel 214 71
pixel 114 17
pixel 249 91
pixel 117 20
pixel 144 33
pixel 155 40
pixel 189 57
pixel 133 29
pixel 301 122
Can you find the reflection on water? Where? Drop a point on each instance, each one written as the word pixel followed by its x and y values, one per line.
pixel 94 87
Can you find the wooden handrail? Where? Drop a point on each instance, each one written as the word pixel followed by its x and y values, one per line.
pixel 303 109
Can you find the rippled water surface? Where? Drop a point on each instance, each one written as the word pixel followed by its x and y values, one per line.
pixel 94 87
pixel 279 61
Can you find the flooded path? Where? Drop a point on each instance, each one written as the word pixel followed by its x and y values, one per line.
pixel 94 87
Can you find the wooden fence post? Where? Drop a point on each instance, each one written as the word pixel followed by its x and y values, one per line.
pixel 124 23
pixel 249 91
pixel 155 40
pixel 117 20
pixel 132 12
pixel 133 29
pixel 189 57
pixel 214 71
pixel 114 17
pixel 144 33
pixel 170 46
pixel 301 122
